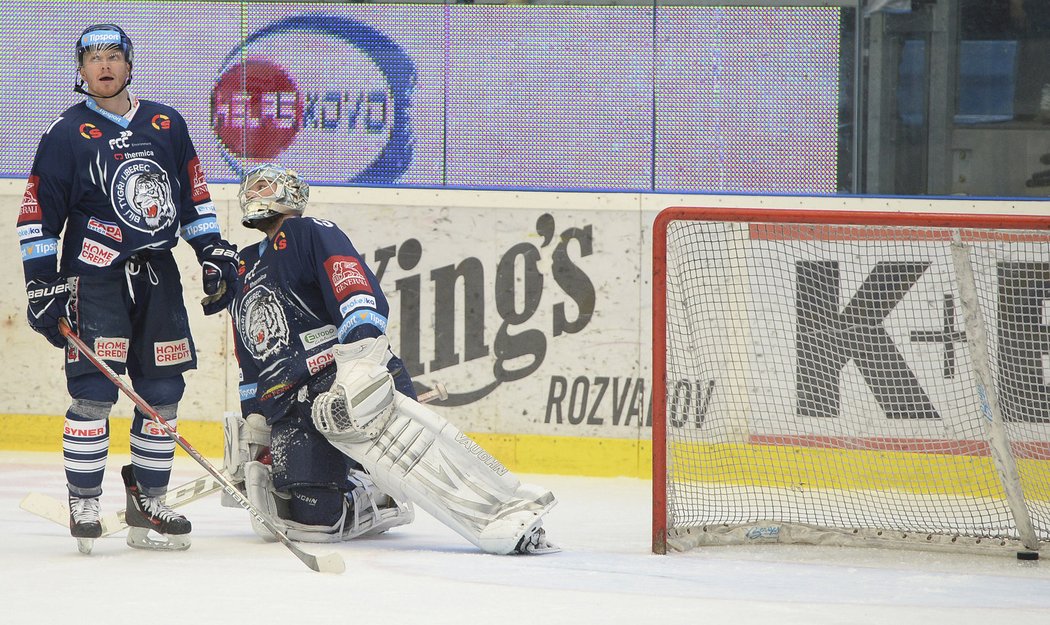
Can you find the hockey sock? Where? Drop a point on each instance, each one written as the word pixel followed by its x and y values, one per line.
pixel 152 451
pixel 85 446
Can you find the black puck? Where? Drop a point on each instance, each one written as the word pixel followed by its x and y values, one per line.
pixel 1027 555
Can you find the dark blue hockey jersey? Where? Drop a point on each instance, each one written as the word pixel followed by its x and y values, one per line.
pixel 301 293
pixel 116 186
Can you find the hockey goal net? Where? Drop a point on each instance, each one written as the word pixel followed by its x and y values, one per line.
pixel 850 378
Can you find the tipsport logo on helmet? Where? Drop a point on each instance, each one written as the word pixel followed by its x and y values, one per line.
pixel 100 38
pixel 325 94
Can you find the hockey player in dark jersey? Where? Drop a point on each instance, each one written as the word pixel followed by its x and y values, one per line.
pixel 310 322
pixel 118 180
pixel 304 288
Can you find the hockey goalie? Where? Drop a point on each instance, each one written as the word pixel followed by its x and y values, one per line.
pixel 331 442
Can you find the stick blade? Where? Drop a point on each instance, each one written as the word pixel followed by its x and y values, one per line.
pixel 328 563
pixel 46 507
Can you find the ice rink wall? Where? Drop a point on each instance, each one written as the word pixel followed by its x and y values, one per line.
pixel 500 168
pixel 533 308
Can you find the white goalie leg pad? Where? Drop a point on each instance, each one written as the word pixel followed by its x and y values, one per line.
pixel 422 458
pixel 245 439
pixel 373 512
pixel 258 488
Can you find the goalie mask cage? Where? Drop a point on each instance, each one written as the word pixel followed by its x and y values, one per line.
pixel 850 378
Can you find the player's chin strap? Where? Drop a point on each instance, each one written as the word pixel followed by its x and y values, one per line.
pixel 415 455
pixel 78 87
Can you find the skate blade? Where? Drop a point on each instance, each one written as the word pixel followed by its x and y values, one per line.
pixel 84 545
pixel 139 538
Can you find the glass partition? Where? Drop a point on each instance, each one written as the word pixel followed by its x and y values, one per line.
pixel 957 99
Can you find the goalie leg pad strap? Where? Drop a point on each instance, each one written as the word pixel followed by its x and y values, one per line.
pixel 373 511
pixel 422 458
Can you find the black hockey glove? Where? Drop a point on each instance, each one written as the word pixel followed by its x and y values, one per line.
pixel 219 262
pixel 49 302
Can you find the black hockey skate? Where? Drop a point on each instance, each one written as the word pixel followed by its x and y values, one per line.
pixel 149 513
pixel 85 521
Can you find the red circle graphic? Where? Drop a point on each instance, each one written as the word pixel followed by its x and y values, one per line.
pixel 256 109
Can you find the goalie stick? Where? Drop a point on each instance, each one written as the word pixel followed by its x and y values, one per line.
pixel 330 563
pixel 56 511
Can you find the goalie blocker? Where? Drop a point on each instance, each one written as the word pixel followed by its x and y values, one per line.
pixel 413 454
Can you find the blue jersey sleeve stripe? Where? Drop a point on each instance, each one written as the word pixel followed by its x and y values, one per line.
pixel 370 317
pixel 205 225
pixel 37 249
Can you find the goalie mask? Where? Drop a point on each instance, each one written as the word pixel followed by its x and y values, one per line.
pixel 271 190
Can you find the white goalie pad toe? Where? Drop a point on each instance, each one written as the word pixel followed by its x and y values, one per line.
pixel 258 488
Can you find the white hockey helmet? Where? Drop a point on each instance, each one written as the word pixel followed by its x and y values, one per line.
pixel 269 190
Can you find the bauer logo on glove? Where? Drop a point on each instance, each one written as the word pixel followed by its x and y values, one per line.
pixel 219 264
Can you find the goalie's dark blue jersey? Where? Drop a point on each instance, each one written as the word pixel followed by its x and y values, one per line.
pixel 301 293
pixel 116 186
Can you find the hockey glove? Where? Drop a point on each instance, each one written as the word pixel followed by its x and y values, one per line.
pixel 219 262
pixel 361 400
pixel 49 302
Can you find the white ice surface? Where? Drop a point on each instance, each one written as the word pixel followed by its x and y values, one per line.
pixel 426 574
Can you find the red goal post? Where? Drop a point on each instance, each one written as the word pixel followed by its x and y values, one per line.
pixel 850 377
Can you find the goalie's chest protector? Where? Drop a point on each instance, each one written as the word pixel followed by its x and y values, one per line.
pixel 281 318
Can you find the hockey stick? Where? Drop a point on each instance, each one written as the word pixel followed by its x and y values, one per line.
pixel 56 511
pixel 331 563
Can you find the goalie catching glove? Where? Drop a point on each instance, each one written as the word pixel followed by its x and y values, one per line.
pixel 219 263
pixel 362 397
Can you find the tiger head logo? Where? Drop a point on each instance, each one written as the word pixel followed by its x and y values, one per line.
pixel 150 194
pixel 264 327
